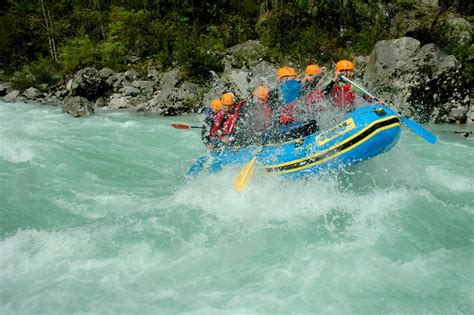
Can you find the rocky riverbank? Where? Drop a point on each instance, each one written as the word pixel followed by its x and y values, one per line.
pixel 418 80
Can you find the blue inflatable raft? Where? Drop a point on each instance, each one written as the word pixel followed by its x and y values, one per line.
pixel 362 134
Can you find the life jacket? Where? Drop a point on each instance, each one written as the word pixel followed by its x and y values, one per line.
pixel 266 108
pixel 313 99
pixel 287 114
pixel 230 119
pixel 344 96
pixel 290 91
pixel 217 122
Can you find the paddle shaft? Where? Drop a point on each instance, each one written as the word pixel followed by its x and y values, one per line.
pixel 358 86
pixel 413 126
pixel 184 126
pixel 247 170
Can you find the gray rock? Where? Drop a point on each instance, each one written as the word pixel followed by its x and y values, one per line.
pixel 111 80
pixel 148 92
pixel 105 73
pixel 153 74
pixel 173 96
pixel 100 102
pixel 130 91
pixel 119 102
pixel 32 93
pixel 470 114
pixel 12 96
pixel 61 94
pixel 419 80
pixel 464 133
pixel 77 106
pixel 247 54
pixel 242 82
pixel 458 113
pixel 131 75
pixel 69 85
pixel 138 101
pixel 141 84
pixel 88 83
pixel 187 91
pixel 50 100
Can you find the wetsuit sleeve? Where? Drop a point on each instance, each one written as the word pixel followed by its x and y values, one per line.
pixel 206 130
pixel 205 135
pixel 328 87
pixel 313 84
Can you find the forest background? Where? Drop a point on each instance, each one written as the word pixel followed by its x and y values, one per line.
pixel 45 41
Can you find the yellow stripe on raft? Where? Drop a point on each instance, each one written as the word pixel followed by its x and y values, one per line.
pixel 334 147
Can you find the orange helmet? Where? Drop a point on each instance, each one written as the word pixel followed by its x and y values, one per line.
pixel 216 104
pixel 312 69
pixel 227 99
pixel 344 65
pixel 286 71
pixel 261 92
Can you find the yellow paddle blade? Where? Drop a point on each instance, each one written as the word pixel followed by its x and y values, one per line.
pixel 245 175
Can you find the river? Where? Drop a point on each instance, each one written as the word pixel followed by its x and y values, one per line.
pixel 96 217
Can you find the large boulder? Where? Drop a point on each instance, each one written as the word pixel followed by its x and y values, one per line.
pixel 470 115
pixel 244 69
pixel 88 83
pixel 174 95
pixel 77 106
pixel 420 81
pixel 12 96
pixel 118 102
pixel 32 93
pixel 247 54
pixel 105 73
pixel 242 81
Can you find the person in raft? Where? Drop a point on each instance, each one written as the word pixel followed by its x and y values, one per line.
pixel 211 133
pixel 343 94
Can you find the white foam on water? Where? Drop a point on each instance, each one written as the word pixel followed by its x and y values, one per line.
pixel 68 261
pixel 95 205
pixel 450 180
pixel 266 195
pixel 29 253
pixel 17 152
pixel 123 233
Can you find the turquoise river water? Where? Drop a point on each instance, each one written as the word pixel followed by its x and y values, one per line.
pixel 96 217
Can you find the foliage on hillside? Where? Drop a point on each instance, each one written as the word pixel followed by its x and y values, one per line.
pixel 43 38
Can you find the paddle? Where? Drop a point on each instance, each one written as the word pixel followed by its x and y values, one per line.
pixel 246 173
pixel 247 170
pixel 183 126
pixel 413 126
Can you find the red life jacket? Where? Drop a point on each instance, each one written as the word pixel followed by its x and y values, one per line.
pixel 287 114
pixel 313 99
pixel 267 113
pixel 231 119
pixel 216 125
pixel 344 97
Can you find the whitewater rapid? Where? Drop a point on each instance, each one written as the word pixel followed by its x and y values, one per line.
pixel 97 216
